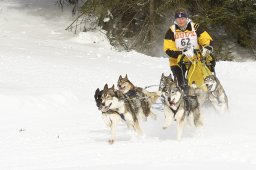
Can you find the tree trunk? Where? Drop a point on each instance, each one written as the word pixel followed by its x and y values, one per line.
pixel 151 20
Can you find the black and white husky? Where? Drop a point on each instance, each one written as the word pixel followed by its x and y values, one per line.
pixel 216 93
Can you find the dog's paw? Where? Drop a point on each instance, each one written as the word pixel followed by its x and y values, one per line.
pixel 111 141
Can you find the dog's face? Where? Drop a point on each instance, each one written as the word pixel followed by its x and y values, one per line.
pixel 211 83
pixel 165 81
pixel 124 85
pixel 109 99
pixel 97 97
pixel 173 94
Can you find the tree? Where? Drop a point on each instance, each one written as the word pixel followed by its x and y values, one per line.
pixel 75 3
pixel 140 24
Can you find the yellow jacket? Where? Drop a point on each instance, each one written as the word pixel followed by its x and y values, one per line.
pixel 169 41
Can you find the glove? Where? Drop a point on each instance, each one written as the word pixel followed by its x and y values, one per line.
pixel 207 50
pixel 189 52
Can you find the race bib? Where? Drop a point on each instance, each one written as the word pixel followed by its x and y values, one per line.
pixel 186 39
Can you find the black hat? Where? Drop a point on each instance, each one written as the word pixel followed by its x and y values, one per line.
pixel 181 13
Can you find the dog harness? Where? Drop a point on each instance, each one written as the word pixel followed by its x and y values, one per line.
pixel 120 114
pixel 175 111
pixel 187 107
pixel 131 93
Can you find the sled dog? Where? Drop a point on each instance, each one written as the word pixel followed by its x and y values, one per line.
pixel 110 117
pixel 115 107
pixel 175 109
pixel 216 93
pixel 139 97
pixel 167 81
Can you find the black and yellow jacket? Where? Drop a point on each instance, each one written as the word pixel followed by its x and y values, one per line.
pixel 170 48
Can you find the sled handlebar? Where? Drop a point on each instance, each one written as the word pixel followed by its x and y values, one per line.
pixel 196 51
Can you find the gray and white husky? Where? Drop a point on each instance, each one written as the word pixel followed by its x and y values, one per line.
pixel 216 93
pixel 167 81
pixel 117 108
pixel 140 99
pixel 175 109
pixel 110 117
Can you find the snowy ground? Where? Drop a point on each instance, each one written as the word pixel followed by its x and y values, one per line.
pixel 49 120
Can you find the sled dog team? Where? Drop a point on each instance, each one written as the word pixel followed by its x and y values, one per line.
pixel 129 103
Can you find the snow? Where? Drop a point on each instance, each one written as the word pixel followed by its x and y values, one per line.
pixel 94 38
pixel 49 120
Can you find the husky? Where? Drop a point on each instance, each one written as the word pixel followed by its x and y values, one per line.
pixel 175 110
pixel 216 93
pixel 115 108
pixel 139 97
pixel 110 117
pixel 167 81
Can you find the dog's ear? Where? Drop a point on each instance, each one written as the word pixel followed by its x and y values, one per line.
pixel 170 77
pixel 120 77
pixel 97 92
pixel 126 77
pixel 113 87
pixel 106 87
pixel 162 75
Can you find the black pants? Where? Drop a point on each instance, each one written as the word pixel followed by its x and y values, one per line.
pixel 179 75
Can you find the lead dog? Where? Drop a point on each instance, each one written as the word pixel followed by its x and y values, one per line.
pixel 117 108
pixel 216 93
pixel 110 117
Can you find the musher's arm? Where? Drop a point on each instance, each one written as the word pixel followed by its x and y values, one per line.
pixel 170 46
pixel 204 39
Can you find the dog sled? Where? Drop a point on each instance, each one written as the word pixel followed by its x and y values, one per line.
pixel 129 103
pixel 197 68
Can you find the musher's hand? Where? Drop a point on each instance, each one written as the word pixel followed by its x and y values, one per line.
pixel 189 52
pixel 207 50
